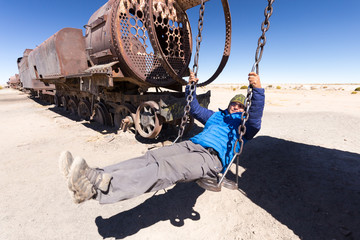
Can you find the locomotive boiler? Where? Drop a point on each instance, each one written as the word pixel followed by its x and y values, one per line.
pixel 127 69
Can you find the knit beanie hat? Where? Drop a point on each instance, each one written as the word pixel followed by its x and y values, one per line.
pixel 238 98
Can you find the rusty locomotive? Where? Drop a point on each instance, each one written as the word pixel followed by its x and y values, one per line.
pixel 116 74
pixel 14 82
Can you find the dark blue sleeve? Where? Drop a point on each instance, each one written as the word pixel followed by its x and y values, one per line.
pixel 253 124
pixel 198 112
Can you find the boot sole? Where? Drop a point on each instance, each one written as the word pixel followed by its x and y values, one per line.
pixel 65 162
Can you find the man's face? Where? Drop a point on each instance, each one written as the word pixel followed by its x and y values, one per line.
pixel 235 107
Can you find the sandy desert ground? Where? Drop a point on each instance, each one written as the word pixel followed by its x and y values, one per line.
pixel 300 176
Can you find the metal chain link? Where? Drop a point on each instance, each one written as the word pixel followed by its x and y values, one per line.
pixel 199 37
pixel 192 87
pixel 262 40
pixel 259 51
pixel 245 115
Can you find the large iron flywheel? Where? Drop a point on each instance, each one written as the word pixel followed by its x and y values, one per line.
pixel 130 39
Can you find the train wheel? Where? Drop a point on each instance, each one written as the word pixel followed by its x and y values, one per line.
pixel 73 106
pixel 121 112
pixel 41 96
pixel 84 109
pixel 147 123
pixel 102 115
pixel 56 101
pixel 49 99
pixel 64 103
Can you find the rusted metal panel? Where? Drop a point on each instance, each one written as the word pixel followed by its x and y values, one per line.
pixel 105 68
pixel 97 35
pixel 26 78
pixel 24 71
pixel 61 55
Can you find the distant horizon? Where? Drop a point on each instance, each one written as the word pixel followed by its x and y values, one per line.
pixel 214 83
pixel 264 83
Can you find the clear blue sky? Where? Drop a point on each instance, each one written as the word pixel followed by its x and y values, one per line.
pixel 309 41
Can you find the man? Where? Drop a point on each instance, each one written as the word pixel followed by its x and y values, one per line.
pixel 205 155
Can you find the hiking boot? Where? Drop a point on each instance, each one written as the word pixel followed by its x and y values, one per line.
pixel 65 162
pixel 84 181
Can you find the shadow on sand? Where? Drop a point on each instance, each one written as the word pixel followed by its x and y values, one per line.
pixel 312 190
pixel 155 209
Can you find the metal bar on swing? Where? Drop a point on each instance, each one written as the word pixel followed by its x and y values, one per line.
pixel 227 169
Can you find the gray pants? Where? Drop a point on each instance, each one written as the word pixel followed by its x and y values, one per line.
pixel 159 169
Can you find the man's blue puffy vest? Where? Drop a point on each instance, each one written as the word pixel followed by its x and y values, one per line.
pixel 220 133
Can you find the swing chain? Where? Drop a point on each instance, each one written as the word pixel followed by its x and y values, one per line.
pixel 245 115
pixel 259 51
pixel 187 108
pixel 199 37
pixel 262 40
pixel 192 87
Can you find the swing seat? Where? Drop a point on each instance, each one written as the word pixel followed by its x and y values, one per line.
pixel 212 184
